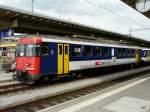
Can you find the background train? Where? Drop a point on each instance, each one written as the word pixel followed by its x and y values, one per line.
pixel 40 57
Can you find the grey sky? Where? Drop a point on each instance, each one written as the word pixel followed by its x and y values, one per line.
pixel 96 13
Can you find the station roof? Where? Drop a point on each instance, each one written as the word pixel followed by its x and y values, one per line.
pixel 26 22
pixel 132 3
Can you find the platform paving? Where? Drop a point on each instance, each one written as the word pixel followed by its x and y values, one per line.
pixel 131 96
pixel 5 76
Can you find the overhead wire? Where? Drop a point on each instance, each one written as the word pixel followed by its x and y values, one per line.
pixel 101 7
pixel 56 5
pixel 114 13
pixel 145 4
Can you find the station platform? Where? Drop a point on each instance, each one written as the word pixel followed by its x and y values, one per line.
pixel 5 76
pixel 130 96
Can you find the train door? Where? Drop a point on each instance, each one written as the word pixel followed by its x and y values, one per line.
pixel 113 55
pixel 63 58
pixel 148 55
pixel 138 56
pixel 66 58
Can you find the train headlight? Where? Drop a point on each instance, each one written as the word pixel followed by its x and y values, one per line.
pixel 27 64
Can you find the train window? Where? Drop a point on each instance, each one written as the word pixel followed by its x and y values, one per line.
pixel 148 53
pixel 105 52
pixel 76 51
pixel 97 51
pixel 30 50
pixel 52 51
pixel 145 53
pixel 115 51
pixel 20 51
pixel 124 53
pixel 66 49
pixel 60 49
pixel 119 51
pixel 129 52
pixel 87 51
pixel 37 50
pixel 44 50
pixel 133 52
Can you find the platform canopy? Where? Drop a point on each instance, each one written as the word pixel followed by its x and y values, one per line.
pixel 26 22
pixel 133 3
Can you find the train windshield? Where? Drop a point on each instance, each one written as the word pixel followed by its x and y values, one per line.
pixel 28 50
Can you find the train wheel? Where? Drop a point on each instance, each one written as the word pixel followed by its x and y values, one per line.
pixel 80 75
pixel 30 82
pixel 44 79
pixel 73 75
pixel 132 66
pixel 76 75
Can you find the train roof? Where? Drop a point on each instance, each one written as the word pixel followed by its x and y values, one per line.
pixel 51 38
pixel 145 48
pixel 89 43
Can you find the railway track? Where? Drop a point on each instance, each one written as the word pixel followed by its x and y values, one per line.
pixel 57 99
pixel 14 87
pixel 8 89
pixel 6 83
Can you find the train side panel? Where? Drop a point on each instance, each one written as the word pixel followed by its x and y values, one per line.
pixel 79 61
pixel 49 59
pixel 85 57
pixel 146 55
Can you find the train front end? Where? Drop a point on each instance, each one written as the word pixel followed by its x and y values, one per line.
pixel 28 60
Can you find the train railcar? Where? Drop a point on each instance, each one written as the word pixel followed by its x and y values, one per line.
pixel 145 55
pixel 41 57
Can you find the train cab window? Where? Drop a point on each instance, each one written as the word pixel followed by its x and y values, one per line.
pixel 76 51
pixel 20 50
pixel 29 50
pixel 105 52
pixel 87 51
pixel 97 51
pixel 44 50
